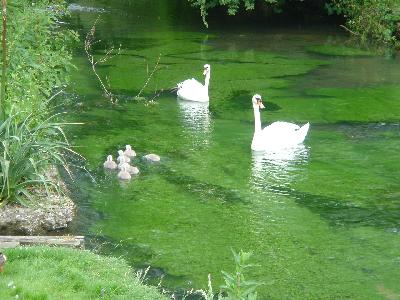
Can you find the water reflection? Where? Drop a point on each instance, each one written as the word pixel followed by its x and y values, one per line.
pixel 196 121
pixel 274 170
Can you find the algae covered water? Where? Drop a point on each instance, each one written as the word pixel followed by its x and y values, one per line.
pixel 322 221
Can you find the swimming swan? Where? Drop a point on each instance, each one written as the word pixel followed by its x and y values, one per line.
pixel 129 152
pixel 124 174
pixel 152 157
pixel 109 163
pixel 133 170
pixel 192 90
pixel 122 157
pixel 278 134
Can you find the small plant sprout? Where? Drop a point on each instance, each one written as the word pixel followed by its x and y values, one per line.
pixel 237 287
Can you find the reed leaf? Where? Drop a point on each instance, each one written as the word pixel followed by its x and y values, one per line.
pixel 26 152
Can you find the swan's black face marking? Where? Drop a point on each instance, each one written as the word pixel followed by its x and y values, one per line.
pixel 260 103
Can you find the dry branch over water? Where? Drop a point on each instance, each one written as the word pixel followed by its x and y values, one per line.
pixel 109 53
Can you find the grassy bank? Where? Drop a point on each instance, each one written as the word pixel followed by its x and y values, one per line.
pixel 61 273
pixel 36 60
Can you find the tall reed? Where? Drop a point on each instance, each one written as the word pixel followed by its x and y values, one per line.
pixel 27 150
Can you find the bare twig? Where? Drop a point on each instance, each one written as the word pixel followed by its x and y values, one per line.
pixel 55 95
pixel 150 76
pixel 348 30
pixel 89 42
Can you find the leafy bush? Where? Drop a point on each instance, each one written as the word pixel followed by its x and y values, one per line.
pixel 39 59
pixel 231 5
pixel 377 20
pixel 38 62
pixel 26 152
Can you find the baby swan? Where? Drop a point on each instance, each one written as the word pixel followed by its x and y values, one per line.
pixel 109 163
pixel 129 152
pixel 133 170
pixel 123 162
pixel 121 155
pixel 124 174
pixel 152 157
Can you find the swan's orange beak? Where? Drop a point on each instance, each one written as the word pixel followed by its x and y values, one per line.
pixel 260 104
pixel 205 71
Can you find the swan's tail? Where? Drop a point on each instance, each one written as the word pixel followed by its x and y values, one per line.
pixel 302 132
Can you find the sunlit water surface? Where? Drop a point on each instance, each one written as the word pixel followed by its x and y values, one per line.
pixel 322 219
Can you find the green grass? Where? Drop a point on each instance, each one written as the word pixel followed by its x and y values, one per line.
pixel 60 273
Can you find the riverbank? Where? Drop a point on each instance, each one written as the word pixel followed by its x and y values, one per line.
pixel 30 202
pixel 51 214
pixel 48 211
pixel 63 273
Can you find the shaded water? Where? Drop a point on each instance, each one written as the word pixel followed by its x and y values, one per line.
pixel 323 221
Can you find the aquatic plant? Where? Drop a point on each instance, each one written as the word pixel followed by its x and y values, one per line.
pixel 236 287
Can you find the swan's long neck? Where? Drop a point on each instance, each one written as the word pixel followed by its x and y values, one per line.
pixel 257 120
pixel 207 80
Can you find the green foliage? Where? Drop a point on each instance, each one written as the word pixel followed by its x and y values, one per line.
pixel 236 285
pixel 232 5
pixel 377 20
pixel 38 55
pixel 26 151
pixel 38 62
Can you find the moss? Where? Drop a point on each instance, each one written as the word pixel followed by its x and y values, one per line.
pixel 339 50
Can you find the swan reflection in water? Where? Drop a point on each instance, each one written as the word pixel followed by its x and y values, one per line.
pixel 196 121
pixel 274 170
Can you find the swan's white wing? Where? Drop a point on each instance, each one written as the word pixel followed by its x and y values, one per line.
pixel 190 84
pixel 282 127
pixel 192 90
pixel 280 134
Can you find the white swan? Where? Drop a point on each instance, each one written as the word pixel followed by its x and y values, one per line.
pixel 109 163
pixel 152 157
pixel 133 170
pixel 122 156
pixel 129 152
pixel 278 134
pixel 192 90
pixel 124 174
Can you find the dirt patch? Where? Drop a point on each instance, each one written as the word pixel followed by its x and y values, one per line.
pixel 48 213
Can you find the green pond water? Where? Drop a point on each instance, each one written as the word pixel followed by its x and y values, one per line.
pixel 323 220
